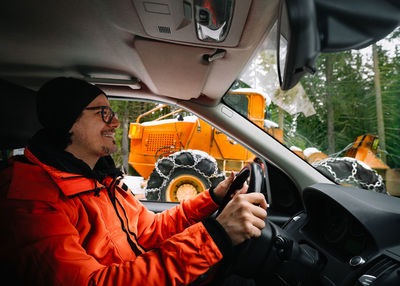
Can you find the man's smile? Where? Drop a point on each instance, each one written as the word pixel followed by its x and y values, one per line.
pixel 109 133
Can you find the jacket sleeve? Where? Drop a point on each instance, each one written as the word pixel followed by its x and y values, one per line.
pixel 46 247
pixel 154 228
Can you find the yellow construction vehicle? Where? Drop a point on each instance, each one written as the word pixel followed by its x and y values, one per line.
pixel 183 156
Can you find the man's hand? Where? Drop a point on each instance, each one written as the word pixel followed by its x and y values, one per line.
pixel 222 188
pixel 243 217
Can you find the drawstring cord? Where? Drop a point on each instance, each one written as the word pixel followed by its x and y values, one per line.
pixel 96 189
pixel 112 196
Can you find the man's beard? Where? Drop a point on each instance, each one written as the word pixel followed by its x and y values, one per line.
pixel 109 151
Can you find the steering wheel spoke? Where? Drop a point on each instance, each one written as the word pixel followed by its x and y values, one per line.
pixel 251 173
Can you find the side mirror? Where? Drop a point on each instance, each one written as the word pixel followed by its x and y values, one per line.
pixel 308 27
pixel 355 24
pixel 298 43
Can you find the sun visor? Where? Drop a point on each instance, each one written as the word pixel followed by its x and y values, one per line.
pixel 176 70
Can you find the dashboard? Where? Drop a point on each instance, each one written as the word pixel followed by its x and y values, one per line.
pixel 337 230
pixel 351 235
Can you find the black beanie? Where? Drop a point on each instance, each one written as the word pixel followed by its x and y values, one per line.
pixel 60 102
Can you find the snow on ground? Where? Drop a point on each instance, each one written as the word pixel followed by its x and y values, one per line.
pixel 191 118
pixel 270 124
pixel 295 148
pixel 136 184
pixel 309 151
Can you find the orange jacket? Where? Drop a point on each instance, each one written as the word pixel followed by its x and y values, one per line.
pixel 62 229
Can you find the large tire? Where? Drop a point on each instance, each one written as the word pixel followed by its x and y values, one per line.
pixel 351 172
pixel 182 175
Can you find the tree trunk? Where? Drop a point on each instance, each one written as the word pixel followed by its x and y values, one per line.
pixel 329 106
pixel 379 111
pixel 281 117
pixel 125 140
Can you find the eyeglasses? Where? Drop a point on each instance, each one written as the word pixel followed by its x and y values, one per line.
pixel 107 114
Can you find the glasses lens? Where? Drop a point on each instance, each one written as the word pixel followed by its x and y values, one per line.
pixel 107 114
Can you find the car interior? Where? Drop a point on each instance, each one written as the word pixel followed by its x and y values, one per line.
pixel 188 53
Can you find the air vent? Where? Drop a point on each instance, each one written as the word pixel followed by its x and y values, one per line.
pixel 382 268
pixel 156 141
pixel 382 265
pixel 164 29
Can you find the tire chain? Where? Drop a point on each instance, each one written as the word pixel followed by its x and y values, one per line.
pixel 351 178
pixel 198 156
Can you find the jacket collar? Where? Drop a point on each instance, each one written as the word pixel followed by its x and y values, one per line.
pixel 72 175
pixel 70 184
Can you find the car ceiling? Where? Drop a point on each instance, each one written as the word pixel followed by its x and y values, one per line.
pixel 116 44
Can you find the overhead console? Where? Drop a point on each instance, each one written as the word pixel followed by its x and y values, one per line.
pixel 215 22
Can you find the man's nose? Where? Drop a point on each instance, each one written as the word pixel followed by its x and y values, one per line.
pixel 115 122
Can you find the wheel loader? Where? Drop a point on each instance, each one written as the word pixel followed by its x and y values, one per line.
pixel 183 156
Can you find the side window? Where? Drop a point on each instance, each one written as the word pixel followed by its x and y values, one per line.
pixel 239 101
pixel 170 154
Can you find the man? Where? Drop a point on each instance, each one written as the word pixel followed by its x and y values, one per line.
pixel 71 220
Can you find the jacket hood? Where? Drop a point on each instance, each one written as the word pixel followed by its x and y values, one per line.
pixel 43 148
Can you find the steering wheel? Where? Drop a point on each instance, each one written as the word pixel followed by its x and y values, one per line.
pixel 260 257
pixel 248 257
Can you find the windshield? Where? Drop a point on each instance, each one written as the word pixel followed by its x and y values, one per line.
pixel 343 120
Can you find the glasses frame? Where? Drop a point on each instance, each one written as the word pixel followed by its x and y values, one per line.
pixel 103 113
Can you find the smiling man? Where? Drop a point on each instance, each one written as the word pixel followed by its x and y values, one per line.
pixel 72 221
pixel 92 138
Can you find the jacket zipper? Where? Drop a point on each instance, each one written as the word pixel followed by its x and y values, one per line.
pixel 113 200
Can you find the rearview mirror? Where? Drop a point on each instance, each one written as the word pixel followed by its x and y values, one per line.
pixel 298 41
